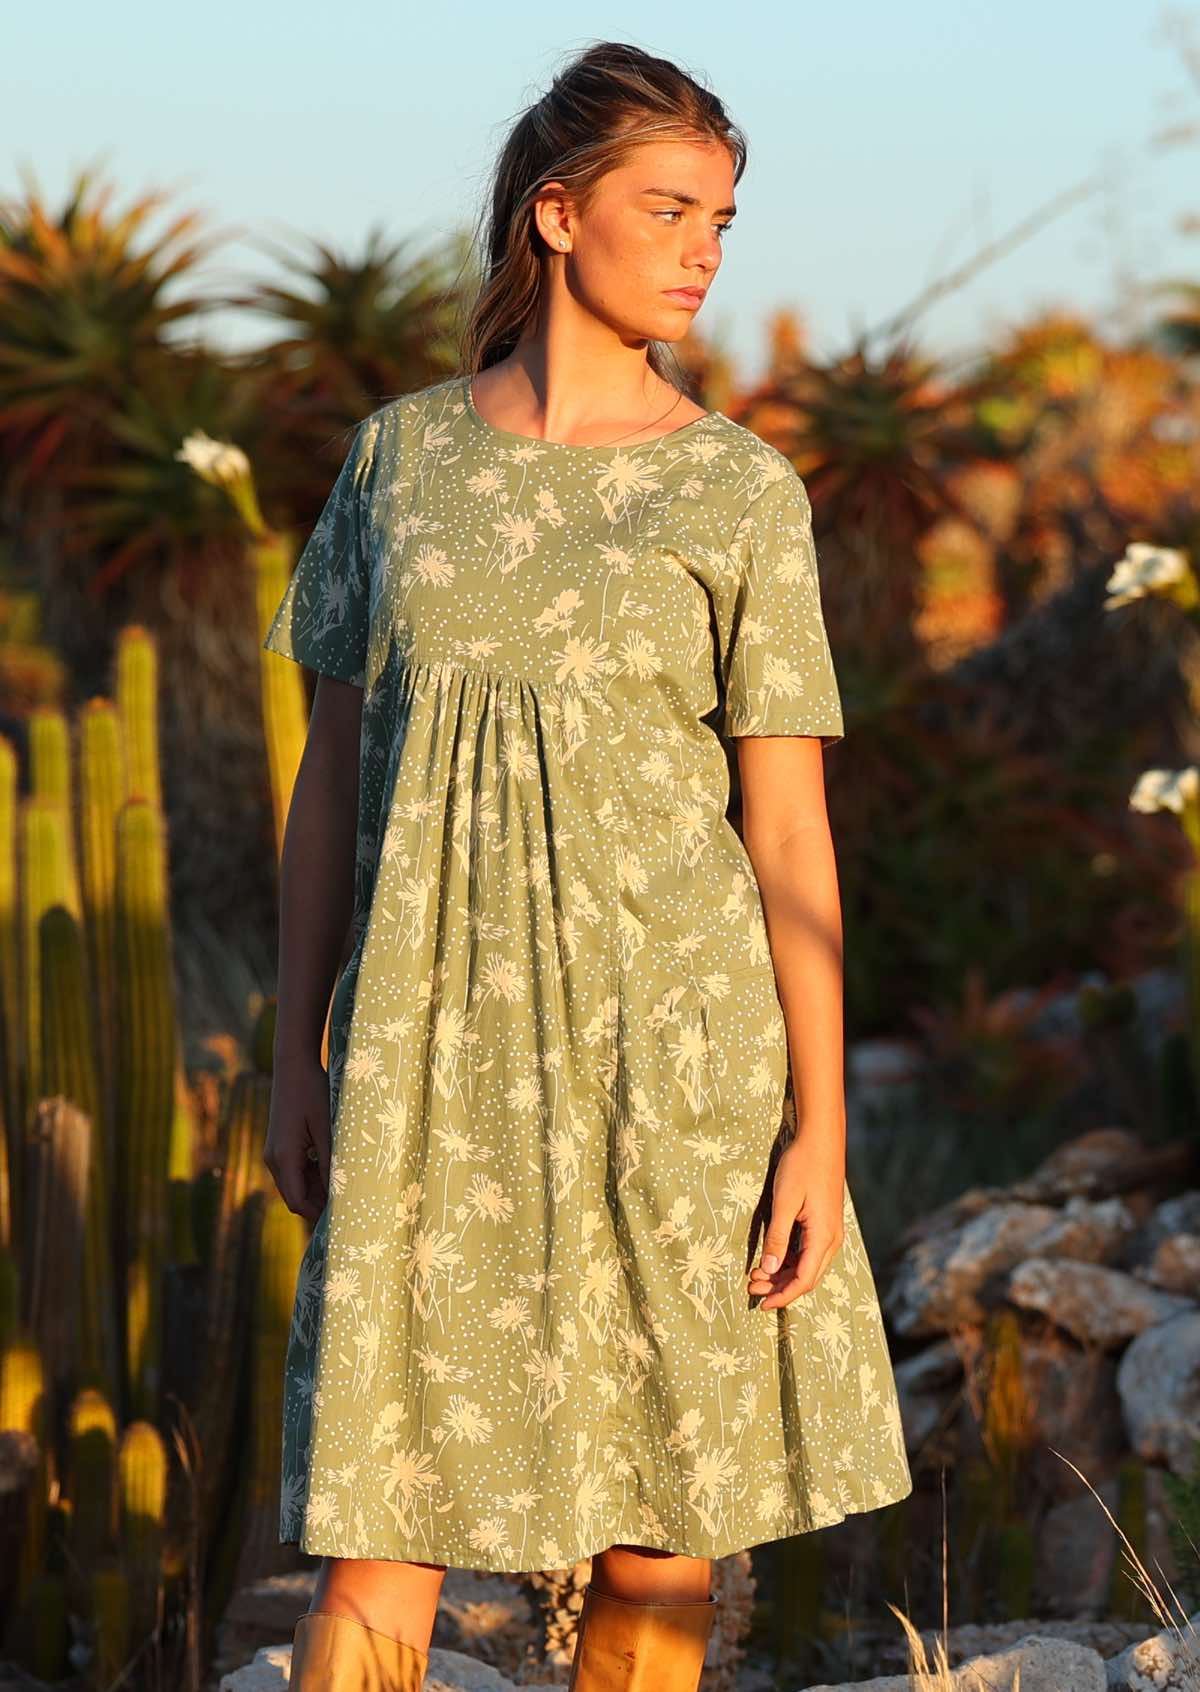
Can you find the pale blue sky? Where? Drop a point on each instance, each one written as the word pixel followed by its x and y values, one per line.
pixel 886 142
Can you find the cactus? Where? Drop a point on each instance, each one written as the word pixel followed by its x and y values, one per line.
pixel 281 1237
pixel 137 707
pixel 181 1237
pixel 10 1284
pixel 243 1132
pixel 43 1633
pixel 146 1086
pixel 50 781
pixel 142 1489
pixel 11 1107
pixel 284 705
pixel 56 1223
pixel 111 1610
pixel 45 882
pixel 69 1071
pixel 92 1443
pixel 102 787
pixel 24 1410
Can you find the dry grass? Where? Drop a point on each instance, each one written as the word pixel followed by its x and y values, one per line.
pixel 938 1676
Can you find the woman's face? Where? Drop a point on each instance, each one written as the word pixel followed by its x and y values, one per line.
pixel 654 225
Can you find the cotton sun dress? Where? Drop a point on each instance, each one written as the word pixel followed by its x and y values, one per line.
pixel 558 1062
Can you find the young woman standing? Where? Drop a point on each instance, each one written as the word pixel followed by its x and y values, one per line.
pixel 586 1278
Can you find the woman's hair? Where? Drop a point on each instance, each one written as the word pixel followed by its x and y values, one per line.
pixel 608 100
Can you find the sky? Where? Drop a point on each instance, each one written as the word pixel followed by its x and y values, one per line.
pixel 888 144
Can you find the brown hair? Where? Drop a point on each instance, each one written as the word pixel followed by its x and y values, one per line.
pixel 606 102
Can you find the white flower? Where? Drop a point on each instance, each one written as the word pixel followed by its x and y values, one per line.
pixel 1165 790
pixel 225 466
pixel 1147 569
pixel 219 462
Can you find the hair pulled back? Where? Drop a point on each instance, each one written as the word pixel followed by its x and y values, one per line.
pixel 610 99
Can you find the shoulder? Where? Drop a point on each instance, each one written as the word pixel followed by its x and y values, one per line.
pixel 404 413
pixel 759 476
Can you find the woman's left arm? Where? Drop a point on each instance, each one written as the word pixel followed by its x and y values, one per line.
pixel 785 829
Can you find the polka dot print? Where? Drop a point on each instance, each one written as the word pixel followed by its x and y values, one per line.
pixel 558 1064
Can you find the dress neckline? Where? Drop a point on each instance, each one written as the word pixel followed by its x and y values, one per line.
pixel 481 422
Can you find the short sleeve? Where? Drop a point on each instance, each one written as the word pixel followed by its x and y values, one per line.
pixel 775 661
pixel 323 618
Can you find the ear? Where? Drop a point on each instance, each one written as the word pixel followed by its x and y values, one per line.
pixel 553 216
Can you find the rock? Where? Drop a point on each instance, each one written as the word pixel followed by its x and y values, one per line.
pixel 1074 1166
pixel 1075 1550
pixel 1167 1662
pixel 1092 1230
pixel 941 1281
pixel 1158 1379
pixel 449 1671
pixel 1175 1266
pixel 1097 1305
pixel 259 1614
pixel 975 1639
pixel 1045 1664
pixel 1179 1214
pixel 267 1671
pixel 484 1615
pixel 924 1385
pixel 1070 1405
pixel 935 1368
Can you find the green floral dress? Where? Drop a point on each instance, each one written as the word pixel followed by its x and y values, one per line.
pixel 558 1062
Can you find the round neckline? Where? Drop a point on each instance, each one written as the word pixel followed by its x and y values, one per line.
pixel 481 422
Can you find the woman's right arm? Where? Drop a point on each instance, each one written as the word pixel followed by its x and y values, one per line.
pixel 316 876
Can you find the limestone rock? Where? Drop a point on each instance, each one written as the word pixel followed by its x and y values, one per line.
pixel 1098 1305
pixel 941 1280
pixel 1158 1379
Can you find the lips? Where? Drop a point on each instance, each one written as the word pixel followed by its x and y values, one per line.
pixel 695 295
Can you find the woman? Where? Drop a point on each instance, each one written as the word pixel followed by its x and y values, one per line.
pixel 585 1042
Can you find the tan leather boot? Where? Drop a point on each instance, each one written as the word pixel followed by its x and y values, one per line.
pixel 625 1646
pixel 338 1654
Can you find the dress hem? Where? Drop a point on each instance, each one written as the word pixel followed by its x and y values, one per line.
pixel 314 1543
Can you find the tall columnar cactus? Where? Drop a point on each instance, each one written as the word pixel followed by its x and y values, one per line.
pixel 10 1290
pixel 45 881
pixel 142 1490
pixel 146 1086
pixel 281 1239
pixel 10 989
pixel 50 781
pixel 181 1172
pixel 230 1262
pixel 111 1621
pixel 285 707
pixel 69 1069
pixel 55 1220
pixel 102 790
pixel 46 1633
pixel 137 705
pixel 24 1410
pixel 91 1477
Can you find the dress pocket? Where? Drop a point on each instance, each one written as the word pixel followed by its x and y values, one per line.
pixel 746 1059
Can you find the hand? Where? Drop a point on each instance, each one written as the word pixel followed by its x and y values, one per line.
pixel 809 1187
pixel 299 1119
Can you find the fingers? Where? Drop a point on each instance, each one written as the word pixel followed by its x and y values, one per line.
pixel 298 1181
pixel 798 1274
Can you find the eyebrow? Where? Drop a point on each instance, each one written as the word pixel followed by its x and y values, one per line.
pixel 688 199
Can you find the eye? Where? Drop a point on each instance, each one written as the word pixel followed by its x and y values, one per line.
pixel 677 211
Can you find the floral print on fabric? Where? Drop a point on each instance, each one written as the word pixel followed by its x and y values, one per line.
pixel 558 1065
